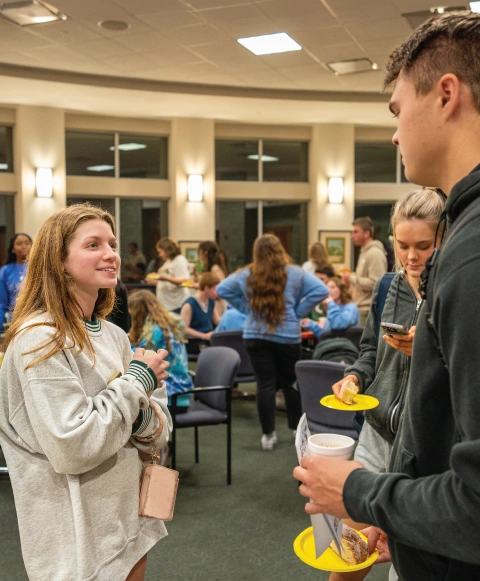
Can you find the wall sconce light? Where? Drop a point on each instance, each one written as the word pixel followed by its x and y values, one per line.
pixel 335 190
pixel 195 188
pixel 44 182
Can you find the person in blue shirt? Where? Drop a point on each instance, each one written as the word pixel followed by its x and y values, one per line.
pixel 341 311
pixel 275 295
pixel 200 314
pixel 231 320
pixel 153 327
pixel 13 273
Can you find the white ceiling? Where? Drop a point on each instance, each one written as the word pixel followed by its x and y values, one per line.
pixel 174 48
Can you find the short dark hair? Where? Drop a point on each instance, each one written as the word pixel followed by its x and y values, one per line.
pixel 366 224
pixel 326 270
pixel 449 43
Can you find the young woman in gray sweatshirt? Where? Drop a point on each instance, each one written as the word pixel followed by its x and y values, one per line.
pixel 68 431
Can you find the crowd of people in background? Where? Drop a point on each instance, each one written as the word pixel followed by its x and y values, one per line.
pixel 414 478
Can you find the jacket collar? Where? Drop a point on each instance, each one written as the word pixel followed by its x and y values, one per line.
pixel 463 193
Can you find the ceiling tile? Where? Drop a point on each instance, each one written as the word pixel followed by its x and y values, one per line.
pixel 174 56
pixel 287 59
pixel 231 49
pixel 129 63
pixel 307 72
pixel 65 31
pixel 241 65
pixel 167 20
pixel 197 34
pixel 143 42
pixel 104 47
pixel 326 36
pixel 149 6
pixel 380 29
pixel 209 4
pixel 15 38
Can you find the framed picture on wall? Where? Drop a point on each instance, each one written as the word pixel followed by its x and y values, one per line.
pixel 338 244
pixel 189 249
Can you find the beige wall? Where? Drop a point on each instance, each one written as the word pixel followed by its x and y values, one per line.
pixel 39 141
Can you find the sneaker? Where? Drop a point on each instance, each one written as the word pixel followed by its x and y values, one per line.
pixel 269 441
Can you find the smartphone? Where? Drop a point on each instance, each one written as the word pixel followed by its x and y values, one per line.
pixel 394 329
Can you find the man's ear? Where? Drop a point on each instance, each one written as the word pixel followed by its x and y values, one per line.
pixel 449 91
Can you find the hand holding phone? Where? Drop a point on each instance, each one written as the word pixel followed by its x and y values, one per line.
pixel 394 329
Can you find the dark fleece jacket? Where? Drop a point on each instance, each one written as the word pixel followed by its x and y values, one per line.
pixel 430 504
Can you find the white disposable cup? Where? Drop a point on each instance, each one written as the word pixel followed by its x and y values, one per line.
pixel 333 445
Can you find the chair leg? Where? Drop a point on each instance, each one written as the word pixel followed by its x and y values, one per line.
pixel 229 436
pixel 196 444
pixel 229 451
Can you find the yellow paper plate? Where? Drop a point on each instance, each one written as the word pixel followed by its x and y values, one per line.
pixel 360 402
pixel 304 547
pixel 187 283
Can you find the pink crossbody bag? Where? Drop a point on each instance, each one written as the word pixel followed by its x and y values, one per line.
pixel 158 484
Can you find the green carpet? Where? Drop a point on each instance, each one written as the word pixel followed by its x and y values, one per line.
pixel 241 532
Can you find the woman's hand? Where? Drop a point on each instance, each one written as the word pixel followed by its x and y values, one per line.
pixel 156 362
pixel 337 386
pixel 377 539
pixel 403 343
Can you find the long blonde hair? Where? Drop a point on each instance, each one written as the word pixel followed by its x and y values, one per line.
pixel 49 289
pixel 145 312
pixel 425 205
pixel 267 280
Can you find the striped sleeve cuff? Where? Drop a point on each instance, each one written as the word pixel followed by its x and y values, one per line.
pixel 142 373
pixel 147 423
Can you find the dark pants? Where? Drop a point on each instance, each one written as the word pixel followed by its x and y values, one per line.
pixel 274 367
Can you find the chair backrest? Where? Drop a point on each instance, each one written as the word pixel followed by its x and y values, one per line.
pixel 234 339
pixel 315 380
pixel 353 333
pixel 216 366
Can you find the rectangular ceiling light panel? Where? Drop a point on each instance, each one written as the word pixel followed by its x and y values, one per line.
pixel 352 66
pixel 270 43
pixel 30 12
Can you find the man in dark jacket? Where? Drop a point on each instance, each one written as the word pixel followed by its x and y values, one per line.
pixel 429 505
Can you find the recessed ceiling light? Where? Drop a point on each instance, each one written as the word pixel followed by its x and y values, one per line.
pixel 270 43
pixel 352 66
pixel 100 167
pixel 31 12
pixel 115 25
pixel 129 146
pixel 475 6
pixel 265 158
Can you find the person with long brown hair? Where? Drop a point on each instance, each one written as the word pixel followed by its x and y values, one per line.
pixel 213 260
pixel 153 327
pixel 72 405
pixel 341 311
pixel 275 295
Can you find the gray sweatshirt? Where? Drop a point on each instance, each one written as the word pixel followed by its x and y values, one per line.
pixel 74 465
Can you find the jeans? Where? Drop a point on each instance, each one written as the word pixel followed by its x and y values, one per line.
pixel 274 367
